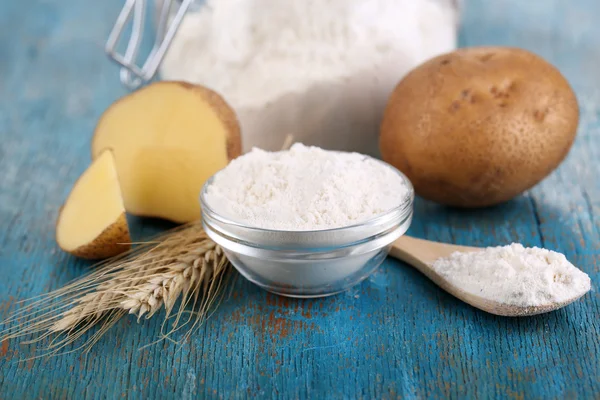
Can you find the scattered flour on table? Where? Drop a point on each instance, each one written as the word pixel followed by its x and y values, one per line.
pixel 515 275
pixel 305 188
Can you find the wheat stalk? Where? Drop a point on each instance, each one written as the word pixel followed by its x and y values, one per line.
pixel 183 264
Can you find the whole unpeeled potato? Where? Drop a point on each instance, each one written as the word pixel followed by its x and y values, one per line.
pixel 478 126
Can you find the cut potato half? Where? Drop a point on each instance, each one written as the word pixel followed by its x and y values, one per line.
pixel 168 138
pixel 92 222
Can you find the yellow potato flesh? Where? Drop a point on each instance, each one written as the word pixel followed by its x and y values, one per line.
pixel 94 204
pixel 167 140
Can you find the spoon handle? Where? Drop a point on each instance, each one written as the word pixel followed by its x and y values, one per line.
pixel 421 254
pixel 415 252
pixel 418 251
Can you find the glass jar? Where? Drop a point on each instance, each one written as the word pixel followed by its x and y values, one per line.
pixel 320 71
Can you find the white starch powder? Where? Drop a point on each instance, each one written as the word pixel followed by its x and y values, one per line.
pixel 515 275
pixel 305 188
pixel 319 70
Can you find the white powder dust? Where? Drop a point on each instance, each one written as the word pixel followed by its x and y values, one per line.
pixel 305 188
pixel 515 275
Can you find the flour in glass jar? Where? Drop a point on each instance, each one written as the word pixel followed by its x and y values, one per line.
pixel 319 70
pixel 515 275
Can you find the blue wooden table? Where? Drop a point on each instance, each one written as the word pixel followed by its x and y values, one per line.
pixel 394 336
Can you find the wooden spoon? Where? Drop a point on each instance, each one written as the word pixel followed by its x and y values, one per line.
pixel 422 253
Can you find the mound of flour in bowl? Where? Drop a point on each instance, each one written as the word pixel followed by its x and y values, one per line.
pixel 305 188
pixel 515 275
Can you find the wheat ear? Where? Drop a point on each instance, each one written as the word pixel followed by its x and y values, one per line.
pixel 182 264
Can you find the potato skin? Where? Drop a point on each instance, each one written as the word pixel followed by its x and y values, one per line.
pixel 478 126
pixel 226 114
pixel 112 241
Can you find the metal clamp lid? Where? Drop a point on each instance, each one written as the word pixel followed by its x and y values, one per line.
pixel 132 75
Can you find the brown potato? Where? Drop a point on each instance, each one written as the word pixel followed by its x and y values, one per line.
pixel 478 126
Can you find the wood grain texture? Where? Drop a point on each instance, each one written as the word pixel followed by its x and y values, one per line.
pixel 394 336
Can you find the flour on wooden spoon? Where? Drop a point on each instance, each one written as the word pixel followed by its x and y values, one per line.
pixel 515 275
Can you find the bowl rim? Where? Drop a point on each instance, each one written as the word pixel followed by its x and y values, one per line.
pixel 404 208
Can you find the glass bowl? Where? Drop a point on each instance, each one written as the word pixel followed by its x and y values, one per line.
pixel 308 263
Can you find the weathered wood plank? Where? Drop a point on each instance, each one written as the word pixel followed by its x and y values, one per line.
pixel 396 335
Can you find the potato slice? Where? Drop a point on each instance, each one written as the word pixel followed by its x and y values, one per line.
pixel 92 222
pixel 168 138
